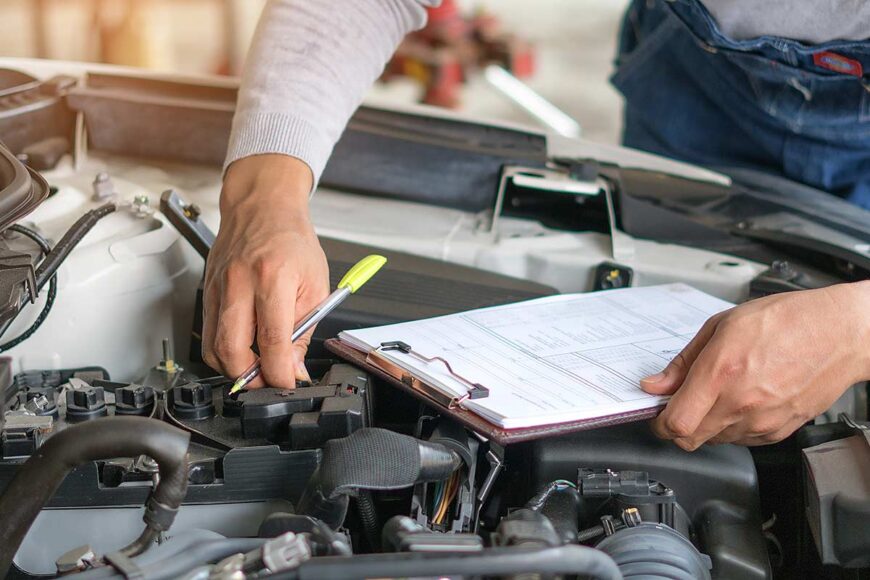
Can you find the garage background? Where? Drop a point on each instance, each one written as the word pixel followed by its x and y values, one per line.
pixel 574 44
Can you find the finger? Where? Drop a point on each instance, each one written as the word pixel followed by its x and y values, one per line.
pixel 300 348
pixel 210 307
pixel 712 426
pixel 234 330
pixel 311 293
pixel 275 305
pixel 692 402
pixel 670 379
pixel 733 433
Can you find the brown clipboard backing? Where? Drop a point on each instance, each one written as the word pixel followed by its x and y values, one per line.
pixel 472 420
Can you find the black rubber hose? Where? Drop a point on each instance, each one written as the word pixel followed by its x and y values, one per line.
pixel 70 240
pixel 537 501
pixel 40 476
pixel 374 459
pixel 656 570
pixel 169 549
pixel 651 550
pixel 176 565
pixel 575 560
pixel 563 508
pixel 205 553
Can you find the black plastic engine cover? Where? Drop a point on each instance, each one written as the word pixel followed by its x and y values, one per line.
pixel 255 447
pixel 307 417
pixel 716 485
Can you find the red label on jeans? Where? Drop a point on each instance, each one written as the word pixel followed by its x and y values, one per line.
pixel 838 63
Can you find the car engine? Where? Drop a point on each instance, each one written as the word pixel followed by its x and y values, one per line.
pixel 122 455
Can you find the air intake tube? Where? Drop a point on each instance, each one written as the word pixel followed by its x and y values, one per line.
pixel 655 551
pixel 371 459
pixel 41 475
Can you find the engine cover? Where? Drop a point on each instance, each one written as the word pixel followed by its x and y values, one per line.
pixel 716 487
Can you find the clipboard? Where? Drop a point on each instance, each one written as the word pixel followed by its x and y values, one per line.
pixel 452 407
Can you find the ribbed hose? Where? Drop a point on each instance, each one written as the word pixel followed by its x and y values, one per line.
pixel 368 516
pixel 655 551
pixel 575 560
pixel 39 477
pixel 70 240
pixel 589 534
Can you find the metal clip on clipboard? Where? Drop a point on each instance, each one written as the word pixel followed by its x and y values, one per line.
pixel 475 390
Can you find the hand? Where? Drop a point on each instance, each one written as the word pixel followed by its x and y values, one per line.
pixel 754 374
pixel 265 271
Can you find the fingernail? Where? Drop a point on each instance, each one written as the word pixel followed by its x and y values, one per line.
pixel 302 372
pixel 654 378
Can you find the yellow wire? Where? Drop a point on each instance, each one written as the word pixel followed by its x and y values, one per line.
pixel 440 509
pixel 447 498
pixel 439 513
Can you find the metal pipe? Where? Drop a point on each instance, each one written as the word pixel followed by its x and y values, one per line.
pixel 531 102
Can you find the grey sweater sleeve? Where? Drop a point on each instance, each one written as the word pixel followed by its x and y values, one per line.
pixel 308 69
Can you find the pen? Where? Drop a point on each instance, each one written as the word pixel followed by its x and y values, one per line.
pixel 358 275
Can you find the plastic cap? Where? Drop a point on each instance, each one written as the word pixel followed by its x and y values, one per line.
pixel 362 272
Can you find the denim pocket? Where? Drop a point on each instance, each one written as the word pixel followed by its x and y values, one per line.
pixel 646 29
pixel 781 78
pixel 819 104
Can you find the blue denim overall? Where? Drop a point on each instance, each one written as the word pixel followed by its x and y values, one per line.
pixel 770 104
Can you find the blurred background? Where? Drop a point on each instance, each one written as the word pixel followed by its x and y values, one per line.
pixel 562 49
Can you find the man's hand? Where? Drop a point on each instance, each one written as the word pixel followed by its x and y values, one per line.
pixel 754 374
pixel 265 271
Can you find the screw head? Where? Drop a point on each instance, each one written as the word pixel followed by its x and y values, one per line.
pixel 192 211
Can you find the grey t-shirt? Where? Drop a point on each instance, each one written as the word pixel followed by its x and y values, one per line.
pixel 312 61
pixel 810 21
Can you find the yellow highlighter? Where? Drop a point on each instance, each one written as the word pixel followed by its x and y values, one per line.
pixel 352 281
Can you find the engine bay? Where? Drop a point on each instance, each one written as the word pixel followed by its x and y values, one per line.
pixel 110 422
pixel 325 478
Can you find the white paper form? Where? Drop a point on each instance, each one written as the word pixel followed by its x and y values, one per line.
pixel 556 359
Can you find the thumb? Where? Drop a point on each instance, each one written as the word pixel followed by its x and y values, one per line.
pixel 669 380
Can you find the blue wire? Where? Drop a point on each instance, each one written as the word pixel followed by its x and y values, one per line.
pixel 439 491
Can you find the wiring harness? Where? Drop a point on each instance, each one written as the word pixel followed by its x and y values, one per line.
pixel 52 289
pixel 46 273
